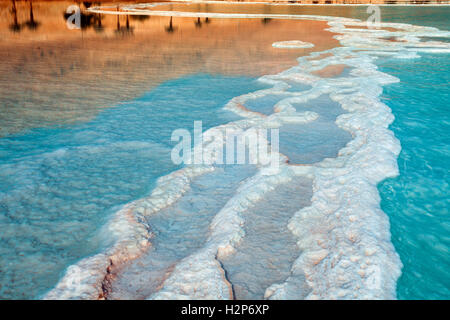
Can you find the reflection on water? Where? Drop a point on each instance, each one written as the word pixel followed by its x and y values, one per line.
pixel 52 75
pixel 114 58
pixel 170 28
pixel 14 26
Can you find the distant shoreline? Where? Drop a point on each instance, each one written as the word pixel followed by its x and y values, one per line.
pixel 299 2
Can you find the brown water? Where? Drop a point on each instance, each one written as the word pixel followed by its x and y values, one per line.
pixel 52 75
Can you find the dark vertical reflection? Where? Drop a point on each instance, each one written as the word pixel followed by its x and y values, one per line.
pixel 170 28
pixel 198 23
pixel 99 26
pixel 31 23
pixel 15 26
pixel 118 21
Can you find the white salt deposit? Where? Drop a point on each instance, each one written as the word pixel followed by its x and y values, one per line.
pixel 292 44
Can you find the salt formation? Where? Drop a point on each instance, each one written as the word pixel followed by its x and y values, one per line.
pixel 293 44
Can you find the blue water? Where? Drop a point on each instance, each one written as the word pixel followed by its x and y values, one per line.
pixel 430 16
pixel 59 185
pixel 265 104
pixel 418 200
pixel 319 139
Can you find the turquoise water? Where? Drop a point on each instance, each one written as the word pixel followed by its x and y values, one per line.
pixel 418 200
pixel 432 16
pixel 59 185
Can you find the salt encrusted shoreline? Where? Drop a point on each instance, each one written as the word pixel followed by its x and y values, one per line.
pixel 349 257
